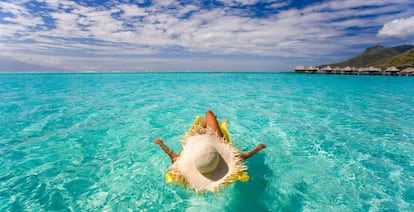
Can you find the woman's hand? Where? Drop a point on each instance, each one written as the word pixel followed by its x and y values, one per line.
pixel 261 146
pixel 158 141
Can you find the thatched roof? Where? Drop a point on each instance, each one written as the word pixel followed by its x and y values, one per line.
pixel 326 68
pixel 361 69
pixel 336 68
pixel 408 70
pixel 300 68
pixel 392 69
pixel 373 69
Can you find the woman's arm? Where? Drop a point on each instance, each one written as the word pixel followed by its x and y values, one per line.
pixel 254 151
pixel 168 151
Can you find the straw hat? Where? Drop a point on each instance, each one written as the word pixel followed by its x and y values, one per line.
pixel 207 162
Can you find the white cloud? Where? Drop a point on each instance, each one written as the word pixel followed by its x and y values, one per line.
pixel 13 8
pixel 132 10
pixel 10 30
pixel 402 27
pixel 240 2
pixel 19 21
pixel 354 4
pixel 53 4
pixel 279 4
pixel 25 21
pixel 66 24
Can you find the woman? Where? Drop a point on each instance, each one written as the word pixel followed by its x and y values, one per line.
pixel 207 160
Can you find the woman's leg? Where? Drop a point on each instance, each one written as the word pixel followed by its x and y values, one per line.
pixel 212 123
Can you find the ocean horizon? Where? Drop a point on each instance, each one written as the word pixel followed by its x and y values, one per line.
pixel 84 141
pixel 139 72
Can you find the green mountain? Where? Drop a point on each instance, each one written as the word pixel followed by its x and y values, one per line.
pixel 400 61
pixel 379 55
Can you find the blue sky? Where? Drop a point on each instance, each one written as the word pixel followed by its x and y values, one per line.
pixel 226 35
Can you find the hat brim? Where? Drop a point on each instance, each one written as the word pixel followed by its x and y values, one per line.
pixel 229 164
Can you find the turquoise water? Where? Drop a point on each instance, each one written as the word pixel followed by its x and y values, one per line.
pixel 83 142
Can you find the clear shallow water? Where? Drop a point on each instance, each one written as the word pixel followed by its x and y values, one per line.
pixel 84 141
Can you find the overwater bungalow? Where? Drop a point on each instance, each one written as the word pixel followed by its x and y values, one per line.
pixel 300 69
pixel 337 70
pixel 312 69
pixel 326 70
pixel 374 70
pixel 362 71
pixel 393 71
pixel 370 71
pixel 407 72
pixel 347 70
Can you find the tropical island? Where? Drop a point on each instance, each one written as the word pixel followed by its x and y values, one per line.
pixel 376 60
